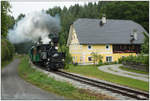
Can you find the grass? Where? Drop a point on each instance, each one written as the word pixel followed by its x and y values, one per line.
pixel 61 88
pixel 133 70
pixel 93 71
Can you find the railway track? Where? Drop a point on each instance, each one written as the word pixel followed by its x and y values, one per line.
pixel 136 94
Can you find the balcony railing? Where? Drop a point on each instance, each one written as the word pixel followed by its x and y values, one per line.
pixel 125 51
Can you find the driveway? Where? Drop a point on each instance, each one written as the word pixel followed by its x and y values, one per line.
pixel 13 87
pixel 114 69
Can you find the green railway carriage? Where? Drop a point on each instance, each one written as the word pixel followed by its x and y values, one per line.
pixel 34 54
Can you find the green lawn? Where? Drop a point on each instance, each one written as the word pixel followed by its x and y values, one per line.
pixel 61 88
pixel 132 70
pixel 93 71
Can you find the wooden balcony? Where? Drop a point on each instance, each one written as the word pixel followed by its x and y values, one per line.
pixel 126 48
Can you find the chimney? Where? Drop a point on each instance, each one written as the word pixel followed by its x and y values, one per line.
pixel 135 34
pixel 103 20
pixel 131 37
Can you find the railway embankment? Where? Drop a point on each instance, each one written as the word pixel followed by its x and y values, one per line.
pixel 96 85
pixel 50 84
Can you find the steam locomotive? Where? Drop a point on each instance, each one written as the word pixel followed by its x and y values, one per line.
pixel 47 55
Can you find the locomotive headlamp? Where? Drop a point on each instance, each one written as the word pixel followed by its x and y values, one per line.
pixel 56 47
pixel 63 60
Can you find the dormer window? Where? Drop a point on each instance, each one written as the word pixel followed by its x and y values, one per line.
pixel 89 47
pixel 107 47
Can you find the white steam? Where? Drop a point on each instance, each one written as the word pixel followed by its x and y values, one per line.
pixel 34 26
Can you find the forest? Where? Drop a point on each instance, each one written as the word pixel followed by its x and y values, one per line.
pixel 137 11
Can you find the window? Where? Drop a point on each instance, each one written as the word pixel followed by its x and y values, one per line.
pixel 76 58
pixel 123 56
pixel 89 58
pixel 80 58
pixel 89 47
pixel 73 58
pixel 107 47
pixel 109 58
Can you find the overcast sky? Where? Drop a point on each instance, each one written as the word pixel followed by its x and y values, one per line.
pixel 26 7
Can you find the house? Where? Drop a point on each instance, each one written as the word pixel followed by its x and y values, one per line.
pixel 110 38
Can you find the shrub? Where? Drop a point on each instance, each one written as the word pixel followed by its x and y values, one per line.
pixel 75 64
pixel 100 62
pixel 7 50
pixel 135 59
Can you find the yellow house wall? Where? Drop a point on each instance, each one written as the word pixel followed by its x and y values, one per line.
pixel 80 53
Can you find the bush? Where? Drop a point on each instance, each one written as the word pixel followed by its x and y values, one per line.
pixel 100 63
pixel 75 64
pixel 7 50
pixel 135 59
pixel 110 63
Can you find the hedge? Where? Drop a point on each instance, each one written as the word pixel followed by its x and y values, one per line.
pixel 136 59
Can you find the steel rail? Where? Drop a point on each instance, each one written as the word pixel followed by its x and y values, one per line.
pixel 140 95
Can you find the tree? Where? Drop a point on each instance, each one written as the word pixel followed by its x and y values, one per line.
pixel 97 59
pixel 20 17
pixel 68 58
pixel 100 60
pixel 145 45
pixel 5 18
pixel 7 22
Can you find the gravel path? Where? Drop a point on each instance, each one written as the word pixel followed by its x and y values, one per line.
pixel 114 69
pixel 13 87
